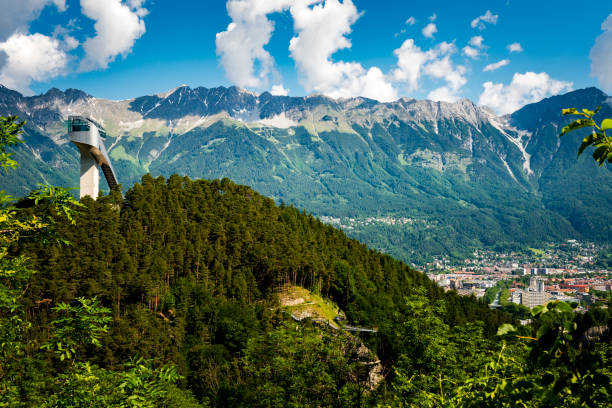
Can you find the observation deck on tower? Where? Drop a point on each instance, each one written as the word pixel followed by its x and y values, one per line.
pixel 89 137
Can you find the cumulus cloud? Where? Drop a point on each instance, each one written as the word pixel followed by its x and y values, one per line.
pixel 477 41
pixel 68 42
pixel 429 30
pixel 496 65
pixel 524 88
pixel 515 47
pixel 16 15
pixel 443 93
pixel 601 56
pixel 410 61
pixel 413 63
pixel 411 21
pixel 30 58
pixel 279 90
pixel 453 75
pixel 118 26
pixel 241 45
pixel 321 31
pixel 470 52
pixel 487 17
pixel 473 50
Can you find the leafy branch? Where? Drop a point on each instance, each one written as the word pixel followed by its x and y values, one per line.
pixel 78 324
pixel 10 129
pixel 597 139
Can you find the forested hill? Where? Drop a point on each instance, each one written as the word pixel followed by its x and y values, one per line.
pixel 192 269
pixel 236 243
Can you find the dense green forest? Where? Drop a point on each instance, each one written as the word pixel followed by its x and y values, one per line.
pixel 169 297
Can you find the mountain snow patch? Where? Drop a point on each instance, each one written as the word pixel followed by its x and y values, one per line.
pixel 280 121
pixel 129 126
pixel 503 125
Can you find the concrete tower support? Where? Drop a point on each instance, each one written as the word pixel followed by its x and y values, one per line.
pixel 90 174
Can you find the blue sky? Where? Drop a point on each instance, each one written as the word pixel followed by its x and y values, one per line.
pixel 119 49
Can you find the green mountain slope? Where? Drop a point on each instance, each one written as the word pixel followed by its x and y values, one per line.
pixel 464 177
pixel 566 182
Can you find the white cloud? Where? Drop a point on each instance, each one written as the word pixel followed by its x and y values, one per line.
pixel 413 63
pixel 487 17
pixel 320 32
pixel 30 58
pixel 17 14
pixel 118 25
pixel 470 51
pixel 524 88
pixel 429 30
pixel 601 56
pixel 443 94
pixel 473 50
pixel 446 48
pixel 515 47
pixel 410 61
pixel 477 41
pixel 279 90
pixel 71 42
pixel 433 17
pixel 411 20
pixel 402 31
pixel 68 43
pixel 453 75
pixel 496 65
pixel 241 45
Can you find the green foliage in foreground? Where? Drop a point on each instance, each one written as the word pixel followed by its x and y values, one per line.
pixel 597 139
pixel 561 360
pixel 10 129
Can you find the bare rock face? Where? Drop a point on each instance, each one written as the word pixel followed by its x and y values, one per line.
pixel 370 362
pixel 596 333
pixel 302 304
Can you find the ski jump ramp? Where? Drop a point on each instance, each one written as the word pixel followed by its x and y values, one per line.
pixel 89 137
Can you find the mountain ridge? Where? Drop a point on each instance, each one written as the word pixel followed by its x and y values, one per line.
pixel 436 162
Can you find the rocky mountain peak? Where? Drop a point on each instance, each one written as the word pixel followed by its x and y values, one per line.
pixel 549 109
pixel 4 91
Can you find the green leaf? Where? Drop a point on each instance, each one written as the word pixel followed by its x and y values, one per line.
pixel 563 307
pixel 601 154
pixel 505 329
pixel 570 111
pixel 536 310
pixel 588 112
pixel 577 124
pixel 588 141
pixel 606 124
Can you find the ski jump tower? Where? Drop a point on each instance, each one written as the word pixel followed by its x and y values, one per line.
pixel 89 136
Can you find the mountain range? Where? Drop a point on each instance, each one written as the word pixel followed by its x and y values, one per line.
pixel 444 178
